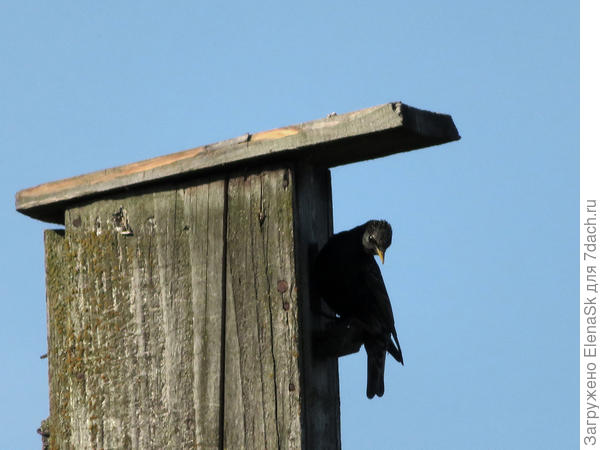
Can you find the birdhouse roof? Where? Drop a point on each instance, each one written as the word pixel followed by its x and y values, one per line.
pixel 335 140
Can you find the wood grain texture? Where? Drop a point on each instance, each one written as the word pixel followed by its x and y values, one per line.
pixel 262 372
pixel 63 348
pixel 182 318
pixel 134 321
pixel 338 139
pixel 203 213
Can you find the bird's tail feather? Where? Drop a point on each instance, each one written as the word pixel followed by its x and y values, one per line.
pixel 375 371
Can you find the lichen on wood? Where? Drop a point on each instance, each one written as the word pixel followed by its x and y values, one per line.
pixel 121 313
pixel 175 318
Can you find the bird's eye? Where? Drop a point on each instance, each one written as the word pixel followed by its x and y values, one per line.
pixel 372 239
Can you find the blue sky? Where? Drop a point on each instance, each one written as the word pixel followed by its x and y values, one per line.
pixel 483 270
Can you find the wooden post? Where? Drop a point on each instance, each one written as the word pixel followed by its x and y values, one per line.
pixel 180 311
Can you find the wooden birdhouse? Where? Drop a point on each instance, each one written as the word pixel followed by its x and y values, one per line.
pixel 179 306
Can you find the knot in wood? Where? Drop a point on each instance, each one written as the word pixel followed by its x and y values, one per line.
pixel 261 217
pixel 286 180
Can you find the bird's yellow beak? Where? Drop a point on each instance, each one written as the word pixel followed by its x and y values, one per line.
pixel 381 254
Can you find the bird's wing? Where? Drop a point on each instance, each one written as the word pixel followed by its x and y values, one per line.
pixel 379 301
pixel 381 306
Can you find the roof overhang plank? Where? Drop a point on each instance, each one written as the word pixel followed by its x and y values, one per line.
pixel 338 139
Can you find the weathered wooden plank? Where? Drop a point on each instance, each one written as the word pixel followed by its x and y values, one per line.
pixel 62 349
pixel 134 321
pixel 335 140
pixel 262 335
pixel 313 224
pixel 204 215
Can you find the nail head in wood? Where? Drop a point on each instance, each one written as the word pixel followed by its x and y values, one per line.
pixel 282 286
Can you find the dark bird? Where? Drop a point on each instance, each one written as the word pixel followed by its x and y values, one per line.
pixel 350 282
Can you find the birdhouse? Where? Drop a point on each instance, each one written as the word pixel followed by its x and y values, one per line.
pixel 179 303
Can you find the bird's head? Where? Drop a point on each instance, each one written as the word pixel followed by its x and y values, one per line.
pixel 377 237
